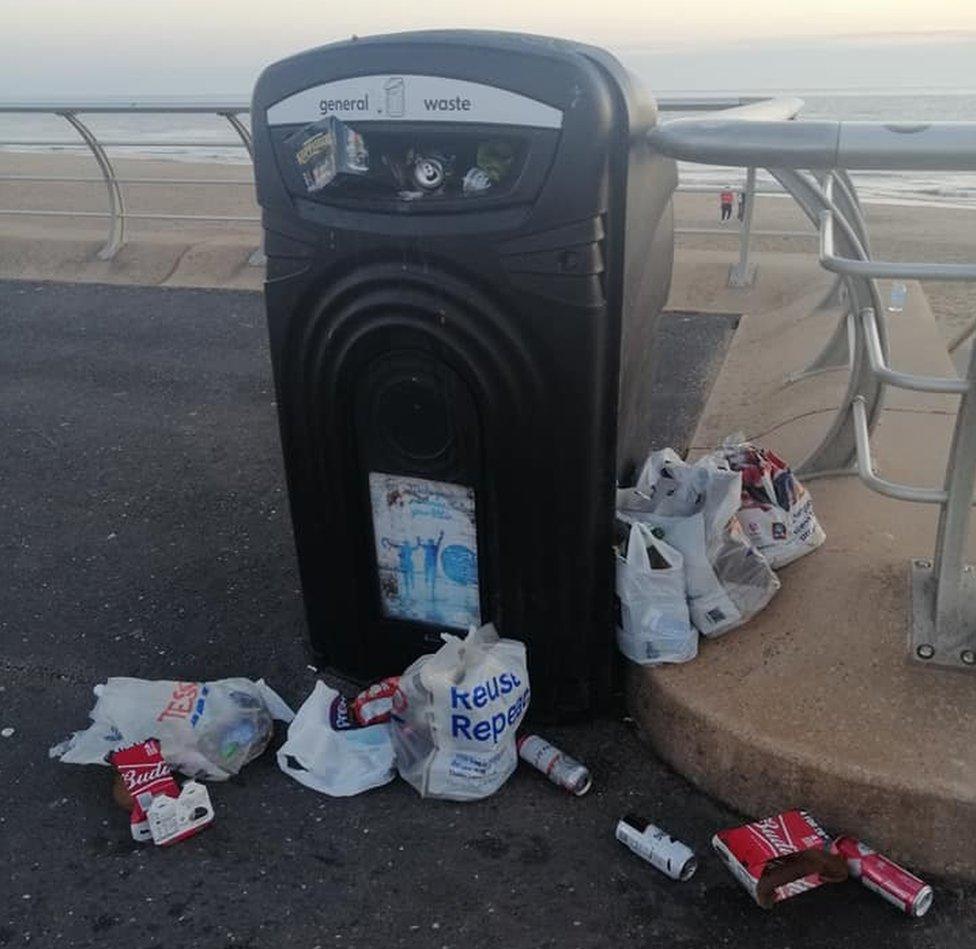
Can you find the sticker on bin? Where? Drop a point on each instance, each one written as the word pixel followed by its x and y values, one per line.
pixel 410 98
pixel 426 550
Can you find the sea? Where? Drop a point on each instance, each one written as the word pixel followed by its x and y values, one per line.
pixel 218 142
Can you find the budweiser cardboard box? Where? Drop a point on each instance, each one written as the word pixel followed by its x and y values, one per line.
pixel 779 857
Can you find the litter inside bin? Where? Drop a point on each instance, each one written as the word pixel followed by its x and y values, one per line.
pixel 326 149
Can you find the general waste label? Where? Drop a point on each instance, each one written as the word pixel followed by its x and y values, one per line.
pixel 413 99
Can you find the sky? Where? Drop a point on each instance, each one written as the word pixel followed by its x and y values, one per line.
pixel 183 47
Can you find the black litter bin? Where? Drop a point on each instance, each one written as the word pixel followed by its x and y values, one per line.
pixel 468 244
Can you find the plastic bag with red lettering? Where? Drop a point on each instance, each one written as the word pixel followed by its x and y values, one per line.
pixel 775 510
pixel 207 730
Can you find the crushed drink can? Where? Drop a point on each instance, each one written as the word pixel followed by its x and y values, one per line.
pixel 475 181
pixel 375 704
pixel 661 851
pixel 173 819
pixel 428 173
pixel 557 766
pixel 884 877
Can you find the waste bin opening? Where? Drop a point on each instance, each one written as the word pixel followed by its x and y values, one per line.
pixel 468 244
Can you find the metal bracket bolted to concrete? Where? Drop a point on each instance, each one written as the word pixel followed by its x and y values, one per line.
pixel 925 646
pixel 742 278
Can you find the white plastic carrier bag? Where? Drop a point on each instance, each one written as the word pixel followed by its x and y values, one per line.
pixel 710 607
pixel 328 751
pixel 728 580
pixel 776 511
pixel 207 730
pixel 455 715
pixel 653 625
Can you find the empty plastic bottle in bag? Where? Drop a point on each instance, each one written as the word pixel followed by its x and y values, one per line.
pixel 234 740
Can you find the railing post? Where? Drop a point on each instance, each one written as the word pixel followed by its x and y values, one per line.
pixel 837 451
pixel 116 235
pixel 743 274
pixel 257 258
pixel 944 593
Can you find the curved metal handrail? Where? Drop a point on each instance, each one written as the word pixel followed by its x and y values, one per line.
pixel 865 465
pixel 786 143
pixel 117 214
pixel 837 449
pixel 839 264
pixel 903 380
pixel 116 203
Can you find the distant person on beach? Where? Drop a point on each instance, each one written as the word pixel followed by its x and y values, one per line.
pixel 726 198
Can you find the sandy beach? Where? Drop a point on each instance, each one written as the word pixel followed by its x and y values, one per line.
pixel 899 232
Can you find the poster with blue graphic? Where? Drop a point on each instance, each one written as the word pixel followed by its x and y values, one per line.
pixel 426 550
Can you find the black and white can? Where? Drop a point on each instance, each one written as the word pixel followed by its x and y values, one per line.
pixel 661 851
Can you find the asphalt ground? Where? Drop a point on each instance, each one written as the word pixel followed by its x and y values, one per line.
pixel 144 531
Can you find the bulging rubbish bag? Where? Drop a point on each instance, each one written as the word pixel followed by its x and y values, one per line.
pixel 728 580
pixel 207 730
pixel 653 625
pixel 328 751
pixel 455 715
pixel 776 511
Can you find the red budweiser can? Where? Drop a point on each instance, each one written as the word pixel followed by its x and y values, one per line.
pixel 890 881
pixel 556 765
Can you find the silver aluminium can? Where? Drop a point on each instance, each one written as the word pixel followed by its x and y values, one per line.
pixel 557 766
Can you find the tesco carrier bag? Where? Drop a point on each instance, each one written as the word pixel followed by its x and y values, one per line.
pixel 207 730
pixel 455 715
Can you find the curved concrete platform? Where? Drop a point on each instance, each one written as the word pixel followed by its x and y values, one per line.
pixel 814 703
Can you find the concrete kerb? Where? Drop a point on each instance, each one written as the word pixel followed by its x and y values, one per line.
pixel 813 703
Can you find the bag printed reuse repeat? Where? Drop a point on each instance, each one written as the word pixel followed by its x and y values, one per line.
pixel 776 511
pixel 653 625
pixel 455 715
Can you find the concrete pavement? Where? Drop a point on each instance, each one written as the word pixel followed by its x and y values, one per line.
pixel 814 700
pixel 145 533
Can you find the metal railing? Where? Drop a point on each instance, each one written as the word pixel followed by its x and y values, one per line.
pixel 117 214
pixel 743 272
pixel 811 160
